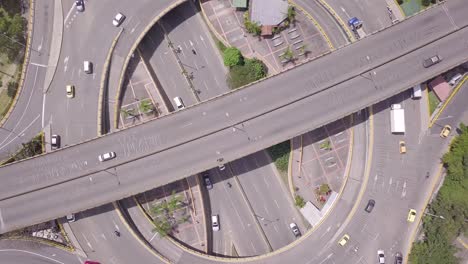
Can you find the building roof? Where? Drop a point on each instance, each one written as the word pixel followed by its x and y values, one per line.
pixel 269 12
pixel 239 3
pixel 441 88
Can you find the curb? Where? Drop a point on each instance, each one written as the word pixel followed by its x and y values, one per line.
pixel 447 101
pixel 55 45
pixel 25 63
pixel 203 212
pixel 132 50
pixel 338 19
pixel 104 79
pixel 399 7
pixel 309 16
pixel 290 178
pixel 41 241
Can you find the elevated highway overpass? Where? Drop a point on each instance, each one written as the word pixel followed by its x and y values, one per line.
pixel 235 124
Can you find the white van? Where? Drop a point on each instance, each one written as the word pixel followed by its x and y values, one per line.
pixel 179 103
pixel 417 92
pixel 455 79
pixel 88 67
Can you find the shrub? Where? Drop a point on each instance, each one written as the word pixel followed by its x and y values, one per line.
pixel 232 57
pixel 299 201
pixel 426 2
pixel 11 89
pixel 241 75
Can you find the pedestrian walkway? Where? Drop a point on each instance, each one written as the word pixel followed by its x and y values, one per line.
pixel 394 11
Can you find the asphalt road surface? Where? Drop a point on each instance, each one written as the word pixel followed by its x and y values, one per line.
pixel 24 122
pixel 28 252
pixel 387 61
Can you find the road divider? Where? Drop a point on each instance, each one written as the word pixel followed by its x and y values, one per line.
pixel 103 86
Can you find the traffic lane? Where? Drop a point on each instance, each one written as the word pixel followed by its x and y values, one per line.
pixel 234 211
pixel 198 53
pixel 79 38
pixel 222 113
pixel 374 14
pixel 95 231
pixel 323 241
pixel 163 62
pixel 273 210
pixel 333 30
pixel 395 182
pixel 28 252
pixel 258 128
pixel 25 120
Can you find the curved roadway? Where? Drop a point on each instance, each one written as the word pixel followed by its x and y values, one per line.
pixel 52 185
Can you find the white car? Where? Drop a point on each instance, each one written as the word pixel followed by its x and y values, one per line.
pixel 106 156
pixel 295 229
pixel 215 222
pixel 118 19
pixel 381 254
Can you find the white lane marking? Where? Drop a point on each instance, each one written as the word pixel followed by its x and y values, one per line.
pixel 40 45
pixel 403 193
pixel 32 253
pixel 186 125
pixel 69 13
pixel 65 61
pixel 191 43
pixel 328 257
pixel 204 43
pixel 155 234
pixel 43 109
pixel 103 236
pixel 277 205
pixel 25 110
pixel 133 29
pixel 87 241
pixel 344 11
pixel 2 222
pixel 20 134
pixel 37 64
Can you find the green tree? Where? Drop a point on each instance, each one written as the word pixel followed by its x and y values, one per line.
pixel 146 106
pixel 426 2
pixel 324 188
pixel 162 227
pixel 299 201
pixel 291 14
pixel 11 89
pixel 287 55
pixel 241 75
pixel 232 57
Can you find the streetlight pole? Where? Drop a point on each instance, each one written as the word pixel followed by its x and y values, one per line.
pixel 436 216
pixel 19 43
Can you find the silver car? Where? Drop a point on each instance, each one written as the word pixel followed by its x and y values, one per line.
pixel 106 156
pixel 118 19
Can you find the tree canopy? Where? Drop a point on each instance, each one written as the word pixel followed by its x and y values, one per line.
pixel 451 203
pixel 232 56
pixel 12 29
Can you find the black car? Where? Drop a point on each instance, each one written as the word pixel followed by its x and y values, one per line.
pixel 398 258
pixel 431 61
pixel 370 206
pixel 55 141
pixel 79 5
pixel 207 181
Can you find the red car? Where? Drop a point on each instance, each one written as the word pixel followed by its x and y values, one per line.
pixel 91 262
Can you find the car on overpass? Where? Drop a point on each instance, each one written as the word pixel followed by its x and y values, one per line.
pixel 431 61
pixel 106 156
pixel 118 19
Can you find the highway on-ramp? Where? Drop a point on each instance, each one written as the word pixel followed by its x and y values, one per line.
pixel 192 140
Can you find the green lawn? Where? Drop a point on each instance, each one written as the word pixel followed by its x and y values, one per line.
pixel 433 102
pixel 411 7
pixel 4 103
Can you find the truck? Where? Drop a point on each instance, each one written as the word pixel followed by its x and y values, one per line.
pixel 397 119
pixel 356 26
